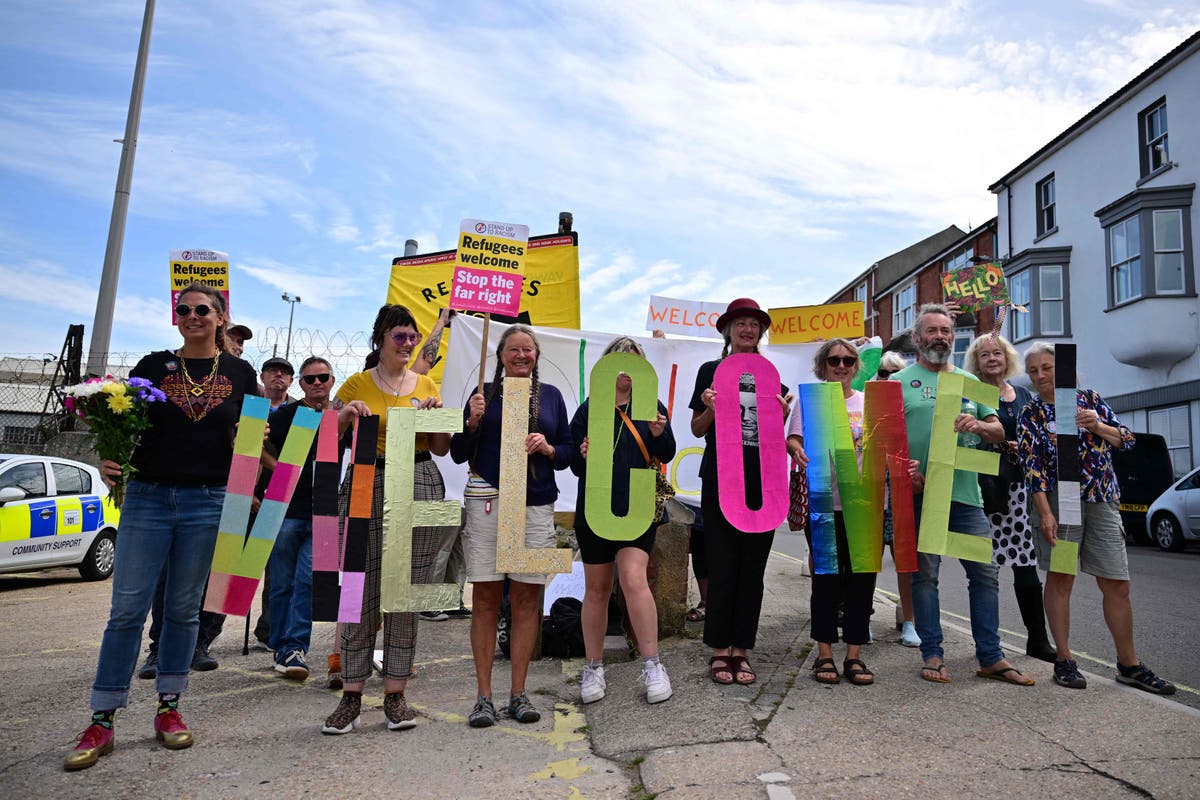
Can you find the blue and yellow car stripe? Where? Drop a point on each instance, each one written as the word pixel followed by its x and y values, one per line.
pixel 67 516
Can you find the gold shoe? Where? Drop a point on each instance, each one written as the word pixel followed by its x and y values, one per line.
pixel 95 741
pixel 170 730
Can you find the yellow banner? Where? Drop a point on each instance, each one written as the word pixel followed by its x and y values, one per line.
pixel 550 297
pixel 800 324
pixel 209 267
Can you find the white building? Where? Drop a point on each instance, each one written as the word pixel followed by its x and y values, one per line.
pixel 1099 229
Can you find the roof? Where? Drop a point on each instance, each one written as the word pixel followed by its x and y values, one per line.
pixel 900 264
pixel 894 268
pixel 1108 104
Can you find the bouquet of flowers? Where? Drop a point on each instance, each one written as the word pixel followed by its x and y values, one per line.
pixel 116 411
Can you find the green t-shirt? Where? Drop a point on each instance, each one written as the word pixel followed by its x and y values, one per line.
pixel 920 397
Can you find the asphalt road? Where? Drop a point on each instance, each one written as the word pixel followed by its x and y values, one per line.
pixel 1166 607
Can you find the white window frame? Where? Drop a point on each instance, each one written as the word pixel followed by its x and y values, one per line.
pixel 1179 443
pixel 1043 300
pixel 1127 263
pixel 960 259
pixel 1047 209
pixel 963 337
pixel 1154 216
pixel 1020 292
pixel 860 294
pixel 1155 144
pixel 903 316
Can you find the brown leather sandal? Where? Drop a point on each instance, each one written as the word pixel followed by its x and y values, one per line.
pixel 857 672
pixel 825 671
pixel 719 664
pixel 741 666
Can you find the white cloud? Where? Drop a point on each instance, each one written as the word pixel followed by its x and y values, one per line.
pixel 35 286
pixel 186 159
pixel 320 289
pixel 787 120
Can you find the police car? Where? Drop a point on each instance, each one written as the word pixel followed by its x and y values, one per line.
pixel 55 512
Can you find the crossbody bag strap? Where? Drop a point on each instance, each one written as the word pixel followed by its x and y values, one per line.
pixel 636 436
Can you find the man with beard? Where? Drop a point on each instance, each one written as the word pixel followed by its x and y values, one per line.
pixel 933 333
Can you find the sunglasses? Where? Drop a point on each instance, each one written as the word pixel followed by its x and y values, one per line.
pixel 323 377
pixel 886 373
pixel 845 361
pixel 183 309
pixel 406 338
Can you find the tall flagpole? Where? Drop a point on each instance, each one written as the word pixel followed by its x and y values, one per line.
pixel 107 299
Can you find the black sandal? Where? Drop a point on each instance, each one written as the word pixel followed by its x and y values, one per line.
pixel 823 668
pixel 857 672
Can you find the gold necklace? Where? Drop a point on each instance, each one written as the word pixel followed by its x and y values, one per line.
pixel 191 387
pixel 197 389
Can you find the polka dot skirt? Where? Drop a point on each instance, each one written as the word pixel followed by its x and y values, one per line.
pixel 1012 538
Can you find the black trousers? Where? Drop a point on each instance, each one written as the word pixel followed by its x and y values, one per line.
pixel 736 563
pixel 855 589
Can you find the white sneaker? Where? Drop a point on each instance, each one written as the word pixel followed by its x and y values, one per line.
pixel 908 636
pixel 593 687
pixel 658 685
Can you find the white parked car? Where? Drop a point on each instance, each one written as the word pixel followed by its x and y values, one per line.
pixel 55 512
pixel 1174 518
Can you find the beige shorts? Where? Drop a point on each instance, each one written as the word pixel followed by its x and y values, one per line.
pixel 1101 539
pixel 480 535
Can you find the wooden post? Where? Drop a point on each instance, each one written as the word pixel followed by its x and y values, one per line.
pixel 483 351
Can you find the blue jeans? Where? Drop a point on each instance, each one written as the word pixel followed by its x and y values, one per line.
pixel 983 591
pixel 162 527
pixel 291 587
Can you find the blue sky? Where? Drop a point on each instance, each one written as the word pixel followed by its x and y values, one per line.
pixel 708 150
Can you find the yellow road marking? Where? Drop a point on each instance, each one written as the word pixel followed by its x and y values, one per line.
pixel 567 769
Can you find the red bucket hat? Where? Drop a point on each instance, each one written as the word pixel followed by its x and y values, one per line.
pixel 743 307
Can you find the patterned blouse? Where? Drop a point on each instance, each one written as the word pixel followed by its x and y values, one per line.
pixel 1038 452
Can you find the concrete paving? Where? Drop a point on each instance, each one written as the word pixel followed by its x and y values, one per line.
pixel 785 737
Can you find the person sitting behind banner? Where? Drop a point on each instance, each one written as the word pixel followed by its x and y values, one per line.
pixel 549 447
pixel 634 444
pixel 389 384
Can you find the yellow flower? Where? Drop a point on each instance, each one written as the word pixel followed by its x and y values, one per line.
pixel 115 389
pixel 120 403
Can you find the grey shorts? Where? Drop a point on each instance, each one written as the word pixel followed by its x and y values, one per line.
pixel 1101 539
pixel 479 539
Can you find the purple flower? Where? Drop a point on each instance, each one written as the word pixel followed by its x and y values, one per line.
pixel 157 396
pixel 140 383
pixel 69 403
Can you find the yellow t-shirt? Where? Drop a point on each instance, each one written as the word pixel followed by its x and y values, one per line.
pixel 361 386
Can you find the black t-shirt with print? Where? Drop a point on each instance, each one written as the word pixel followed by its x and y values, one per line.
pixel 190 439
pixel 749 406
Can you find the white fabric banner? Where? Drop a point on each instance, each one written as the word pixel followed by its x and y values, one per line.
pixel 684 317
pixel 566 362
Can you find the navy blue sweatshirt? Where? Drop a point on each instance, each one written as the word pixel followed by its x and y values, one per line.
pixel 481 449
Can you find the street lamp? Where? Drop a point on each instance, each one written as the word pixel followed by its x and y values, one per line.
pixel 287 298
